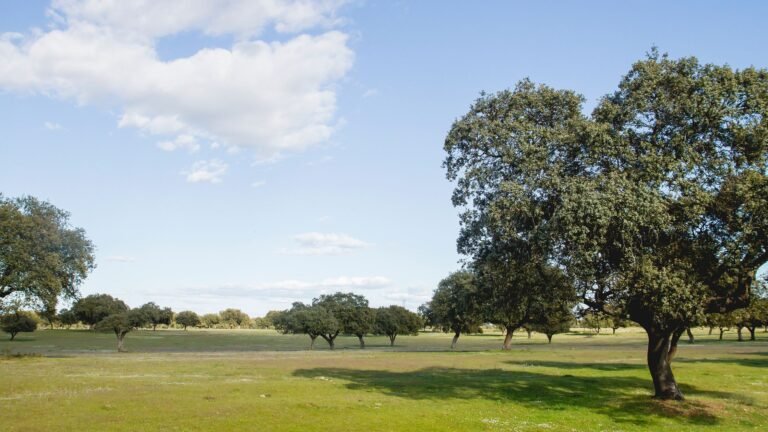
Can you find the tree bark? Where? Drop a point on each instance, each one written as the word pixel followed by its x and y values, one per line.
pixel 660 353
pixel 362 341
pixel 120 339
pixel 455 340
pixel 529 333
pixel 549 338
pixel 690 335
pixel 392 340
pixel 738 332
pixel 751 333
pixel 721 334
pixel 508 339
pixel 13 335
pixel 312 343
pixel 710 331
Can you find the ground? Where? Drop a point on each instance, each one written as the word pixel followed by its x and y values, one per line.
pixel 259 380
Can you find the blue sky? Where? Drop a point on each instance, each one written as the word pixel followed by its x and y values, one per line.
pixel 251 153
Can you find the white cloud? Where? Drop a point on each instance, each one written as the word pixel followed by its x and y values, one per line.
pixel 294 288
pixel 182 141
pixel 315 243
pixel 272 97
pixel 121 259
pixel 209 171
pixel 52 126
pixel 258 184
pixel 370 93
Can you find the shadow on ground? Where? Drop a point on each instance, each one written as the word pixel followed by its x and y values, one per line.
pixel 624 399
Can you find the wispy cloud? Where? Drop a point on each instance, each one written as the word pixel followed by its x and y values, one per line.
pixel 209 171
pixel 258 183
pixel 52 125
pixel 121 259
pixel 316 243
pixel 293 288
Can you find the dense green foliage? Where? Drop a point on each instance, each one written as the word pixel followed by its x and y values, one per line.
pixel 16 322
pixel 396 320
pixel 154 315
pixel 455 306
pixel 657 203
pixel 95 307
pixel 351 311
pixel 312 320
pixel 42 257
pixel 187 319
pixel 121 324
pixel 234 318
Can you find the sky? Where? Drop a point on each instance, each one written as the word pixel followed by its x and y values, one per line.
pixel 253 153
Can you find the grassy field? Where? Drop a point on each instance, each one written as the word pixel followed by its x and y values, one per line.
pixel 261 381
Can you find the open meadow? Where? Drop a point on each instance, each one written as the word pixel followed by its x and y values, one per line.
pixel 260 380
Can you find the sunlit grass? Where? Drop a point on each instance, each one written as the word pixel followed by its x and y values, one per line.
pixel 258 380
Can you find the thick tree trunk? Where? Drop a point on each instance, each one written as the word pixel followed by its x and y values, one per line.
pixel 508 339
pixel 549 338
pixel 392 340
pixel 690 335
pixel 455 340
pixel 751 333
pixel 120 344
pixel 738 332
pixel 660 353
pixel 13 335
pixel 312 343
pixel 721 334
pixel 362 341
pixel 710 330
pixel 529 333
pixel 614 330
pixel 154 327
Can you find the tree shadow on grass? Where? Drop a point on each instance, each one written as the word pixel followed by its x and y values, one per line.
pixel 621 398
pixel 610 367
pixel 760 362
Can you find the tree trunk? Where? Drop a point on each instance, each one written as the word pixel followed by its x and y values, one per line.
pixel 529 333
pixel 154 327
pixel 312 343
pixel 721 334
pixel 549 338
pixel 614 330
pixel 690 335
pixel 392 339
pixel 751 333
pixel 362 341
pixel 660 353
pixel 13 335
pixel 455 340
pixel 120 339
pixel 710 330
pixel 508 339
pixel 738 332
pixel 331 341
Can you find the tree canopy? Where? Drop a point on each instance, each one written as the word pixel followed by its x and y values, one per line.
pixel 121 324
pixel 187 319
pixel 42 257
pixel 351 311
pixel 657 203
pixel 16 322
pixel 155 315
pixel 95 307
pixel 395 320
pixel 455 305
pixel 312 320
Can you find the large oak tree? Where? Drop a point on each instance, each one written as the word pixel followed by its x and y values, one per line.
pixel 656 204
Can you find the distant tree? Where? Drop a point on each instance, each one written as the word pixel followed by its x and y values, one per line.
pixel 553 318
pixel 395 320
pixel 210 320
pixel 234 318
pixel 18 321
pixel 156 315
pixel 455 306
pixel 269 318
pixel 121 324
pixel 721 321
pixel 595 320
pixel 313 321
pixel 187 319
pixel 67 318
pixel 42 257
pixel 95 307
pixel 751 317
pixel 351 312
pixel 617 322
pixel 48 313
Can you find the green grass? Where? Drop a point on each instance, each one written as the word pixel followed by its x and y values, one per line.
pixel 258 380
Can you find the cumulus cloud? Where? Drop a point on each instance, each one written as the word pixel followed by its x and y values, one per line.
pixel 316 243
pixel 209 171
pixel 269 96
